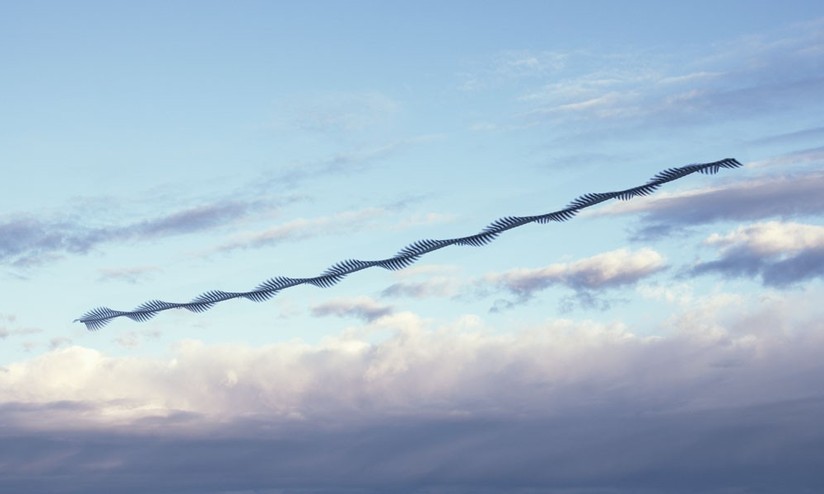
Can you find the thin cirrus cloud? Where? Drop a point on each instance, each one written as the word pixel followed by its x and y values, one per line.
pixel 340 112
pixel 301 228
pixel 804 157
pixel 134 339
pixel 131 274
pixel 28 240
pixel 781 254
pixel 345 222
pixel 762 75
pixel 355 160
pixel 9 327
pixel 582 404
pixel 512 65
pixel 434 287
pixel 603 271
pixel 806 134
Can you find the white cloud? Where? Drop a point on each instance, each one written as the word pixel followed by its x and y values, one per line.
pixel 607 270
pixel 771 238
pixel 463 368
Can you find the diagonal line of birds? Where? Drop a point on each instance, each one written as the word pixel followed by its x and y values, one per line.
pixel 100 316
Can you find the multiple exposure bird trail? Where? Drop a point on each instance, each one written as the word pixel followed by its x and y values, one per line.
pixel 99 317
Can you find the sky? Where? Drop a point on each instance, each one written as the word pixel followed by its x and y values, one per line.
pixel 158 150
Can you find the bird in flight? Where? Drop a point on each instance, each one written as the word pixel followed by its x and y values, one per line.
pixel 100 316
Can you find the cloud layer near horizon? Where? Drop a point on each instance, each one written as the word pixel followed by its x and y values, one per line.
pixel 409 397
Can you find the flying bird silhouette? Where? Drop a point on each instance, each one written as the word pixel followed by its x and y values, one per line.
pixel 100 316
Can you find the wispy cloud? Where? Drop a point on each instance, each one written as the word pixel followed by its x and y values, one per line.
pixel 59 342
pixel 510 65
pixel 340 112
pixel 434 287
pixel 342 163
pixel 133 339
pixel 438 281
pixel 128 274
pixel 364 308
pixel 812 157
pixel 808 134
pixel 28 240
pixel 345 222
pixel 10 327
pixel 755 76
pixel 188 220
pixel 780 254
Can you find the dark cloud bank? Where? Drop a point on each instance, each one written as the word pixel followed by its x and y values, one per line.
pixel 771 448
pixel 773 271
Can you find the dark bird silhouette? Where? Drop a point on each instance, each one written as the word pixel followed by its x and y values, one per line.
pixel 100 316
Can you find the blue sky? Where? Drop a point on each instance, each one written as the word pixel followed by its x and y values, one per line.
pixel 157 150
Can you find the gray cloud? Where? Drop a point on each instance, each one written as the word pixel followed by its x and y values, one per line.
pixel 363 308
pixel 781 254
pixel 190 220
pixel 767 448
pixel 764 197
pixel 773 272
pixel 26 240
